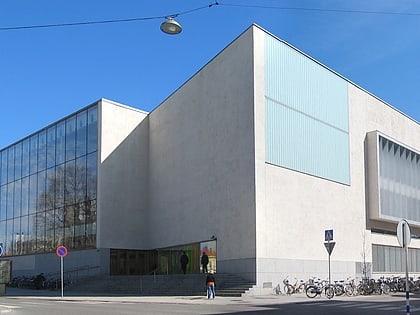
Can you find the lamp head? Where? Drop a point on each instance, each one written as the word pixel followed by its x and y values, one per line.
pixel 170 26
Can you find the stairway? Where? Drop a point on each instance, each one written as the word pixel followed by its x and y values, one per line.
pixel 161 285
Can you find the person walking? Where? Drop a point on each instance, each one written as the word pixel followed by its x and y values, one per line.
pixel 211 285
pixel 204 262
pixel 184 262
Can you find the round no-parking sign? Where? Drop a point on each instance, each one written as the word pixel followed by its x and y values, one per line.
pixel 61 251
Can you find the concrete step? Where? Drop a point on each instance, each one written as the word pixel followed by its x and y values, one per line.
pixel 164 285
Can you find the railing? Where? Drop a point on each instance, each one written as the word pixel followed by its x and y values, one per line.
pixel 74 275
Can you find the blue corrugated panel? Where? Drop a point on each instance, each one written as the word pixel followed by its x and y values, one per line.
pixel 307 126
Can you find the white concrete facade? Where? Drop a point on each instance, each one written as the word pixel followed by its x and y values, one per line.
pixel 269 220
pixel 195 167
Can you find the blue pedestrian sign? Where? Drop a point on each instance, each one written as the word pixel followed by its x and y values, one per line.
pixel 1 250
pixel 329 235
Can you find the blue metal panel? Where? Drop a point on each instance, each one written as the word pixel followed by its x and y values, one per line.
pixel 306 114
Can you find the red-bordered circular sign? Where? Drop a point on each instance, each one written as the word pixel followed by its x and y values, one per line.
pixel 61 251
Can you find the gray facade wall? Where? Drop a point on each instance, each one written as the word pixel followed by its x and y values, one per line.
pixel 201 162
pixel 122 177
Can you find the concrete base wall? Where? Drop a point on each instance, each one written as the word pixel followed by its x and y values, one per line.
pixel 274 271
pixel 244 268
pixel 76 264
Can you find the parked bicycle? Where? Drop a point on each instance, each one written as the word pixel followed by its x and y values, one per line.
pixel 319 287
pixel 298 287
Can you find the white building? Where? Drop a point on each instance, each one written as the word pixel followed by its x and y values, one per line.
pixel 251 160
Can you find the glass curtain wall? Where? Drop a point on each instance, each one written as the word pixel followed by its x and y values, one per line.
pixel 48 188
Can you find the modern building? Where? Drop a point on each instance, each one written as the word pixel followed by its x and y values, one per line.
pixel 259 159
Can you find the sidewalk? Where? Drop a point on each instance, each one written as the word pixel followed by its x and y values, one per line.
pixel 14 293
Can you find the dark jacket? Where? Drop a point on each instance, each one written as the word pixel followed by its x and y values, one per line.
pixel 184 260
pixel 204 260
pixel 210 279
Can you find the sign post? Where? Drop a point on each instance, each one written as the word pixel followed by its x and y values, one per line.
pixel 329 245
pixel 62 252
pixel 404 238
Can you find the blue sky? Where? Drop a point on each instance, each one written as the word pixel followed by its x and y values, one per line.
pixel 50 72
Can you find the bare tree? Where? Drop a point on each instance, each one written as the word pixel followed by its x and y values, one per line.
pixel 366 266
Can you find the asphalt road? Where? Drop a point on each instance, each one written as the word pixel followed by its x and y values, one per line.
pixel 265 305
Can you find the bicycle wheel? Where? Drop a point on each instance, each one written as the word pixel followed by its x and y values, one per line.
pixel 311 291
pixel 349 290
pixel 301 288
pixel 288 289
pixel 329 291
pixel 338 289
pixel 385 288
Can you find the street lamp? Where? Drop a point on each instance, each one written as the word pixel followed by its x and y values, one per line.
pixel 170 26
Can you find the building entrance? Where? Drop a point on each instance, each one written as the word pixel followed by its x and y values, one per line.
pixel 162 261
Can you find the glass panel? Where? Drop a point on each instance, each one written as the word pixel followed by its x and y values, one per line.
pixel 50 231
pixel 33 193
pixel 9 238
pixel 9 201
pixel 10 164
pixel 69 212
pixel 81 133
pixel 24 226
pixel 17 243
pixel 69 183
pixel 70 138
pixel 80 226
pixel 81 180
pixel 25 196
pixel 91 175
pixel 18 160
pixel 59 186
pixel 390 263
pixel 33 154
pixel 60 144
pixel 382 258
pixel 417 269
pixel 4 167
pixel 51 147
pixel 3 233
pixel 25 157
pixel 31 249
pixel 41 190
pixel 50 189
pixel 59 227
pixel 42 150
pixel 17 199
pixel 91 224
pixel 412 260
pixel 92 136
pixel 40 232
pixel 375 258
pixel 209 248
pixel 3 202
